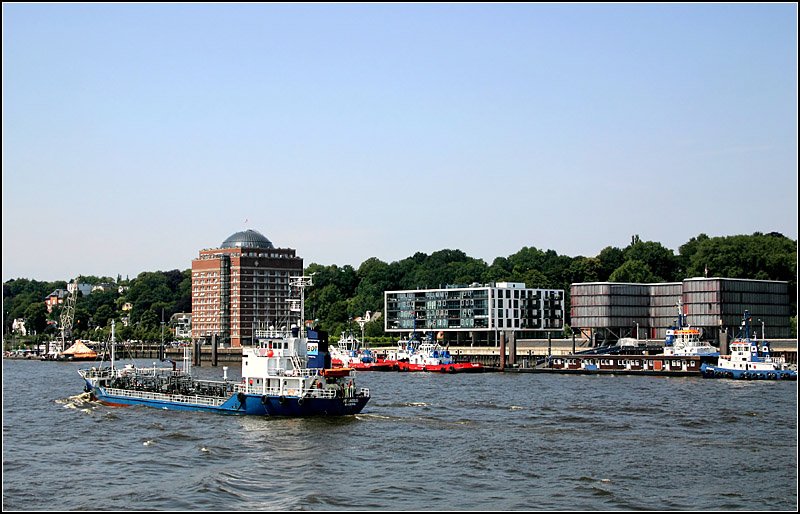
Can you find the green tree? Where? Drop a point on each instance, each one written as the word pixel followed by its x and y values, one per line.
pixel 374 328
pixel 610 258
pixel 103 314
pixel 633 271
pixel 374 277
pixel 36 317
pixel 150 291
pixel 661 261
pixel 499 271
pixel 585 269
pixel 687 251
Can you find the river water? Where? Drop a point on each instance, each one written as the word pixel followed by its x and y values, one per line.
pixel 492 441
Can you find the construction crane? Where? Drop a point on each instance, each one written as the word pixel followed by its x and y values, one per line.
pixel 68 314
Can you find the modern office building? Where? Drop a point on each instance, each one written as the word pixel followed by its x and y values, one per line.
pixel 610 310
pixel 241 287
pixel 479 310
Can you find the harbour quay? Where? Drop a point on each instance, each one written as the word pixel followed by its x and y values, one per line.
pixel 528 353
pixel 531 353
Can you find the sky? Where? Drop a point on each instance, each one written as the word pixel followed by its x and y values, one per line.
pixel 135 135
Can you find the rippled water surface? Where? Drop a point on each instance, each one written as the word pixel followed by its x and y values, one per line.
pixel 479 442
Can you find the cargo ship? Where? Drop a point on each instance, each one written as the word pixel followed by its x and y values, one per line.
pixel 278 379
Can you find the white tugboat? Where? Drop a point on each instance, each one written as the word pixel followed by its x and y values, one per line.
pixel 749 361
pixel 684 340
pixel 348 353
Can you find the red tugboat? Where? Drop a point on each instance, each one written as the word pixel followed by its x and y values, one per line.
pixel 349 354
pixel 428 355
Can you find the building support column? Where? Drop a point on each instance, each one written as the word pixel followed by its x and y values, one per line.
pixel 502 350
pixel 512 348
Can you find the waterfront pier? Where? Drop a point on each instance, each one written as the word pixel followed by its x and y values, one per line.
pixel 528 353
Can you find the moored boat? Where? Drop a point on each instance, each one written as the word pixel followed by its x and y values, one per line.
pixel 748 360
pixel 427 355
pixel 683 340
pixel 686 365
pixel 277 380
pixel 348 353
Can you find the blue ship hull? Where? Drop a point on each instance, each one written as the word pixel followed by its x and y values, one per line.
pixel 242 404
pixel 710 371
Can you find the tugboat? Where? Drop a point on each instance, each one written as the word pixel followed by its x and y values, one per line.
pixel 428 355
pixel 278 379
pixel 748 361
pixel 348 353
pixel 683 340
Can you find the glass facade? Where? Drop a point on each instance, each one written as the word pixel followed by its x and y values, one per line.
pixel 510 306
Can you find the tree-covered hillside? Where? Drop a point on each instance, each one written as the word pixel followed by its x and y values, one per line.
pixel 344 292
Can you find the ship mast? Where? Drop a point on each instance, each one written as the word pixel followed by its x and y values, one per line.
pixel 113 342
pixel 301 283
pixel 681 315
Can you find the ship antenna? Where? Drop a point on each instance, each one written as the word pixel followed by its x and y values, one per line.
pixel 301 283
pixel 113 342
pixel 680 314
pixel 746 323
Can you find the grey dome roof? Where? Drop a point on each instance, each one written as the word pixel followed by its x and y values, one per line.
pixel 247 239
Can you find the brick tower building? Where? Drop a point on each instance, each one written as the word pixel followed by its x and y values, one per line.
pixel 240 287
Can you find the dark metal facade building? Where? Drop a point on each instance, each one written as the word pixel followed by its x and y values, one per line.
pixel 612 310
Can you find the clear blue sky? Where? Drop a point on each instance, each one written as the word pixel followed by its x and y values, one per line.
pixel 135 135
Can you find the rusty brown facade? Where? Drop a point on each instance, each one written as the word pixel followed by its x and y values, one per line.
pixel 240 287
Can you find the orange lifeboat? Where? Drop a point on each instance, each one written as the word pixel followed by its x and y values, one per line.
pixel 336 372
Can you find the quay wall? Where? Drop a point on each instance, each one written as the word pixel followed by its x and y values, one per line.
pixel 527 349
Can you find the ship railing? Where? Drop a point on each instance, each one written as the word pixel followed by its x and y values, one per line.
pixel 297 372
pixel 215 383
pixel 270 391
pixel 332 392
pixel 322 393
pixel 311 392
pixel 172 398
pixel 98 373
